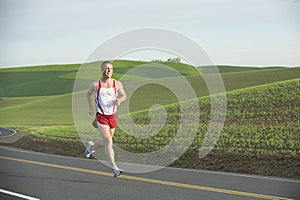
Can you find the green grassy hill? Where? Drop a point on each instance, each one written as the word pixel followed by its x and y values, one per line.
pixel 59 79
pixel 260 120
pixel 230 69
pixel 44 93
pixel 37 111
pixel 151 94
pixel 261 126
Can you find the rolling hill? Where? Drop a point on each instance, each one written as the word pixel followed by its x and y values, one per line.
pixel 262 120
pixel 44 94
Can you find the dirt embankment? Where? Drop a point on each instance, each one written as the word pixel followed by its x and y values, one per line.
pixel 277 166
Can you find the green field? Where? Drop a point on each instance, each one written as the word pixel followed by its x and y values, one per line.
pixel 260 120
pixel 262 115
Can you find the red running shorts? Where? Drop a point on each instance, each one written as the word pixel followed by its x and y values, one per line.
pixel 109 120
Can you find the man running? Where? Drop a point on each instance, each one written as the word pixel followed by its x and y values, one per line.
pixel 106 97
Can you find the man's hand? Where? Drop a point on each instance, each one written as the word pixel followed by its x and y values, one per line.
pixel 118 102
pixel 91 112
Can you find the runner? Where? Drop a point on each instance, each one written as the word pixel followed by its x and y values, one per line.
pixel 106 97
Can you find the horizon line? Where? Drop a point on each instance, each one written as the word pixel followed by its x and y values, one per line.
pixel 79 63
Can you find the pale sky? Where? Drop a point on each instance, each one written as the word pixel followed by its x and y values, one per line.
pixel 232 32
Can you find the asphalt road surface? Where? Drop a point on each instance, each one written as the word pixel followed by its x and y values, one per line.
pixel 30 175
pixel 6 132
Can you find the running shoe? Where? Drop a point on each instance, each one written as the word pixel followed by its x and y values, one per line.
pixel 117 172
pixel 88 151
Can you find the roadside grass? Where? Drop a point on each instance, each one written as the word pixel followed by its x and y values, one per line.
pixel 53 132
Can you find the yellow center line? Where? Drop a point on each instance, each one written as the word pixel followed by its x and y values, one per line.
pixel 148 180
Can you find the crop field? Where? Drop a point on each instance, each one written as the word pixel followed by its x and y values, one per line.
pixel 260 120
pixel 262 107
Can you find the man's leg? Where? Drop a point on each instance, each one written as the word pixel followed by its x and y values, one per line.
pixel 107 134
pixel 99 144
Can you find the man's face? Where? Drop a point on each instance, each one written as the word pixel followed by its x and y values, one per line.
pixel 107 70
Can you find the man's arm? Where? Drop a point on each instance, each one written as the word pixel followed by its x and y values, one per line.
pixel 89 97
pixel 121 93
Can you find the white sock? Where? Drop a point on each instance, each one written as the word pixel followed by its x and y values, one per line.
pixel 116 168
pixel 90 144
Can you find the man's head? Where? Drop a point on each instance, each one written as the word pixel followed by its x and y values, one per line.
pixel 107 69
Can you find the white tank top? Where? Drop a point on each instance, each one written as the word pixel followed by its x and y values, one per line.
pixel 105 101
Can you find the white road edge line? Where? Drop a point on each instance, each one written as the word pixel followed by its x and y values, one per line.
pixel 13 130
pixel 18 195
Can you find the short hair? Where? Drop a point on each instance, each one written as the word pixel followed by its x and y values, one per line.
pixel 104 63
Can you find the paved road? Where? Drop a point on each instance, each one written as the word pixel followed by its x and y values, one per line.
pixel 6 132
pixel 42 176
